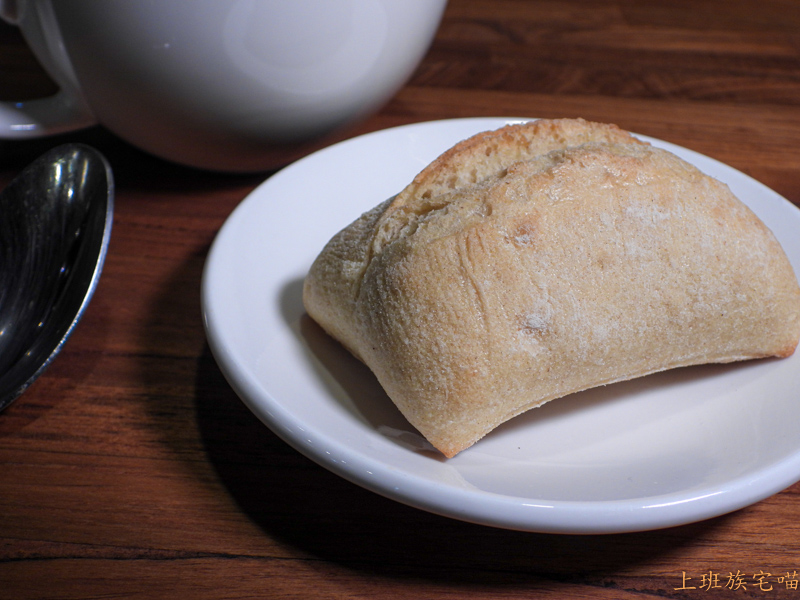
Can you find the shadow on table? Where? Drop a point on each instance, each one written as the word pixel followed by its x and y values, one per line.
pixel 324 517
pixel 304 505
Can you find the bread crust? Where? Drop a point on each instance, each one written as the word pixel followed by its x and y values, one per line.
pixel 543 259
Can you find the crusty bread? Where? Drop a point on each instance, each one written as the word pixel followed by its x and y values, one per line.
pixel 542 259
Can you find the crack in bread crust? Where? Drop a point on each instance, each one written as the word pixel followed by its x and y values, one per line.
pixel 486 156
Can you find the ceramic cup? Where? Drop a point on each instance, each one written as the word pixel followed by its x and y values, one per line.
pixel 232 85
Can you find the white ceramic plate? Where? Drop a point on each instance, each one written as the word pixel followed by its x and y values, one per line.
pixel 664 450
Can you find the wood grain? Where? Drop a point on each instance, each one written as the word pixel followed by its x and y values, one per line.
pixel 132 470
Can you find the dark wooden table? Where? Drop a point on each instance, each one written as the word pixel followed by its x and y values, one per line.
pixel 132 470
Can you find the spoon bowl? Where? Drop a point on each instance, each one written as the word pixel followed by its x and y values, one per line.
pixel 55 224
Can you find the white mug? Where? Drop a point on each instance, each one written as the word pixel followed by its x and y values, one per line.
pixel 231 85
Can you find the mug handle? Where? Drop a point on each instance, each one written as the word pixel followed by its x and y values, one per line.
pixel 65 111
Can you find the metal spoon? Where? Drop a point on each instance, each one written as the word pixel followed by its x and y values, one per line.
pixel 55 223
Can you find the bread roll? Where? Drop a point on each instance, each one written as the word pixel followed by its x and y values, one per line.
pixel 542 259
